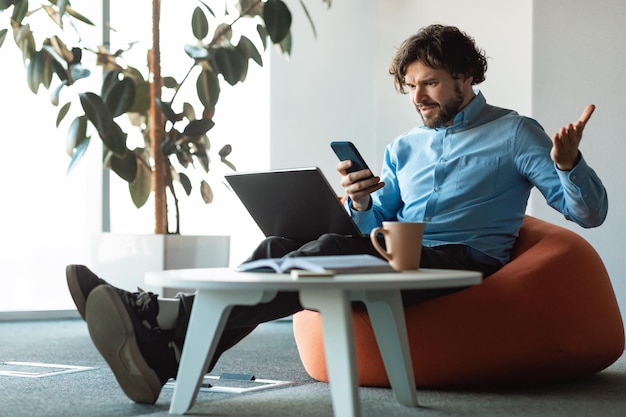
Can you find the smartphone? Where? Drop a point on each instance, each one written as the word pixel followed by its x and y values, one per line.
pixel 347 151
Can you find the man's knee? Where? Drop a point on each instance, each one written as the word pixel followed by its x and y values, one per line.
pixel 326 244
pixel 274 247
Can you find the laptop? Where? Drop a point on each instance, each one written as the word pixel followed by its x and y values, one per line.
pixel 297 203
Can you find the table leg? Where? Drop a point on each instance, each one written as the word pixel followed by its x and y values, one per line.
pixel 387 317
pixel 336 311
pixel 208 317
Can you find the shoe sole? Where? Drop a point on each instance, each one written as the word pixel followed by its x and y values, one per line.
pixel 75 291
pixel 112 333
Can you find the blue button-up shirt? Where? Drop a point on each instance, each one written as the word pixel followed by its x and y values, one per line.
pixel 470 182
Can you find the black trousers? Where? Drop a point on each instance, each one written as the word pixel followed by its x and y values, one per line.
pixel 244 319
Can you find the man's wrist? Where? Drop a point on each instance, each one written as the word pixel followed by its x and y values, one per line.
pixel 360 206
pixel 571 166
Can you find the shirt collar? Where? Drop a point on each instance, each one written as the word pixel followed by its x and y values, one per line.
pixel 466 116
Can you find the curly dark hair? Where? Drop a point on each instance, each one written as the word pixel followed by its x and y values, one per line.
pixel 440 47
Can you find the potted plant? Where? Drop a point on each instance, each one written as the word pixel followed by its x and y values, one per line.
pixel 101 97
pixel 175 133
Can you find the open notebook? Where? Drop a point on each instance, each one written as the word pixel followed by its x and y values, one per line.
pixel 336 264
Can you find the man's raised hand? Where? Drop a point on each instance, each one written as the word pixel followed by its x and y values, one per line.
pixel 565 142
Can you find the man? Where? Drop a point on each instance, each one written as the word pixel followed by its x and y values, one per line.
pixel 467 173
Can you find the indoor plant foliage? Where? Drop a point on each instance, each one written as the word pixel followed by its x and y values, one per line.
pixel 175 132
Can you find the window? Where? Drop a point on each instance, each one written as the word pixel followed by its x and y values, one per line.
pixel 50 217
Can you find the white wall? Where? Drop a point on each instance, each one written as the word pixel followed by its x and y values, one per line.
pixel 579 61
pixel 547 60
pixel 325 91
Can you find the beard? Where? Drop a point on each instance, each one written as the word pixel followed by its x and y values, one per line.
pixel 447 109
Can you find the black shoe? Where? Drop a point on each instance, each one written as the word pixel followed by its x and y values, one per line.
pixel 81 281
pixel 124 329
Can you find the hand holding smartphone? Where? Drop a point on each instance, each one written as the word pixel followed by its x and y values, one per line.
pixel 346 150
pixel 360 196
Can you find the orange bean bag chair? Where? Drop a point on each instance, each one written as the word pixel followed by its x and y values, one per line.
pixel 549 315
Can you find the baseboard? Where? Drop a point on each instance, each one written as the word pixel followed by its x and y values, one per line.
pixel 38 315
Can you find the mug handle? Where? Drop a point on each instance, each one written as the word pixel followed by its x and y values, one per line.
pixel 374 238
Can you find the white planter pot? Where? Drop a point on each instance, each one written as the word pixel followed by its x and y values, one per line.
pixel 123 259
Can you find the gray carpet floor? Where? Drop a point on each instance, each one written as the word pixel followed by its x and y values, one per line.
pixel 268 353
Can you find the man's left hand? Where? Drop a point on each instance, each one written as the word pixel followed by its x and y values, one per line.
pixel 566 141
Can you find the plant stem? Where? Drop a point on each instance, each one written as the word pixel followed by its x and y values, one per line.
pixel 157 127
pixel 181 83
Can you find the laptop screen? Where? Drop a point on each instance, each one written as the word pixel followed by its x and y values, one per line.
pixel 298 203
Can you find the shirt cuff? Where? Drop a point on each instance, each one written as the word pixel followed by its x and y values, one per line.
pixel 575 175
pixel 365 220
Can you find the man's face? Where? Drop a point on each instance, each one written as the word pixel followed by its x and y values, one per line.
pixel 436 95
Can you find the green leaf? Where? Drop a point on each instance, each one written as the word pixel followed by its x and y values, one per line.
pixel 25 40
pixel 141 187
pixel 199 24
pixel 60 71
pixel 189 112
pixel 78 72
pixel 230 64
pixel 225 151
pixel 142 97
pixel 79 16
pixel 167 110
pixel 250 8
pixel 76 134
pixel 168 146
pixel 142 90
pixel 247 50
pixel 39 70
pixel 19 11
pixel 202 154
pixel 208 89
pixel 63 112
pixel 199 127
pixel 206 192
pixel 3 36
pixel 196 52
pixel 97 112
pixel 285 45
pixel 120 97
pixel 136 74
pixel 170 82
pixel 222 34
pixel 185 182
pixel 5 4
pixel 277 19
pixel 115 140
pixel 34 72
pixel 109 79
pixel 228 164
pixel 78 154
pixel 62 5
pixel 47 69
pixel 55 55
pixel 125 167
pixel 182 155
pixel 207 7
pixel 263 35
